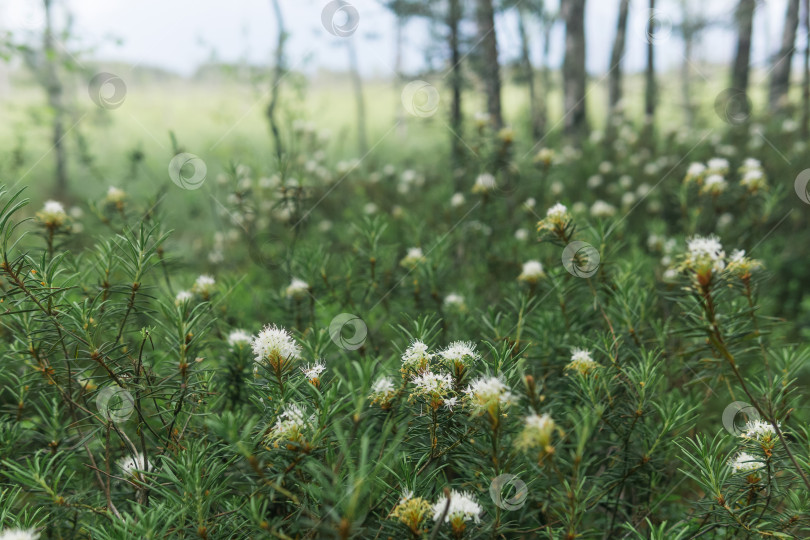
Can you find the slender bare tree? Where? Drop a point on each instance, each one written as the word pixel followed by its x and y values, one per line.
pixel 780 65
pixel 615 74
pixel 528 70
pixel 650 87
pixel 806 71
pixel 53 88
pixel 741 69
pixel 574 73
pixel 489 68
pixel 278 74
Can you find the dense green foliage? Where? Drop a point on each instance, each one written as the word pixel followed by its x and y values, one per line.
pixel 132 407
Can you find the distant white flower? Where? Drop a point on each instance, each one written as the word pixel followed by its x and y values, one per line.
pixel 484 183
pixel 487 393
pixel 537 431
pixel 595 181
pixel 52 214
pixel 745 463
pixel 239 337
pixel 581 362
pixel 602 209
pixel 557 212
pixel 115 195
pixel 717 165
pixel 754 180
pixel 463 507
pixel 751 163
pixel 714 185
pixel 182 297
pixel 413 258
pixel 204 286
pixel 457 200
pixel 529 203
pixel 297 289
pixel 695 172
pixel 454 301
pixel 275 346
pixel 370 208
pixel 532 272
pixel 521 235
pixel 383 391
pixel 19 534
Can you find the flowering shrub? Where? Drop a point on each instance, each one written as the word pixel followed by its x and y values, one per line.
pixel 422 373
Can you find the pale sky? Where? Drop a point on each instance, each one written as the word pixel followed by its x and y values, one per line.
pixel 180 34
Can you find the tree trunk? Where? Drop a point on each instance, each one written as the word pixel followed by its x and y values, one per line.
pixel 278 73
pixel 398 41
pixel 650 86
pixel 490 72
pixel 528 72
pixel 615 76
pixel 574 75
pixel 806 72
pixel 53 88
pixel 742 60
pixel 686 75
pixel 545 77
pixel 780 66
pixel 357 84
pixel 453 18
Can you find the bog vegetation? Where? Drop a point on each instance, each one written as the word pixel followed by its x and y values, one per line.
pixel 533 334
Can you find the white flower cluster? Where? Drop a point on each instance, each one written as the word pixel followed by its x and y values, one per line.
pixel 297 289
pixel 532 272
pixel 581 362
pixel 275 346
pixel 19 534
pixel 463 507
pixel 129 465
pixel 486 393
pixel 459 354
pixel 416 357
pixel 745 463
pixel 238 338
pixel 759 431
